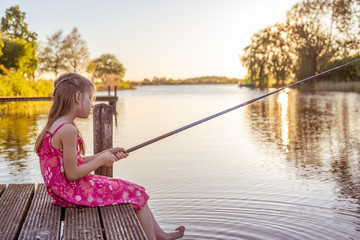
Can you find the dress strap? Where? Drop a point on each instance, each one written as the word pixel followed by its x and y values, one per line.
pixel 51 134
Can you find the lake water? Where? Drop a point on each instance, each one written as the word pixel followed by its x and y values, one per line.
pixel 285 167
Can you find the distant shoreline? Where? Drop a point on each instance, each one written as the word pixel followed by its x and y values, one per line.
pixel 186 84
pixel 353 86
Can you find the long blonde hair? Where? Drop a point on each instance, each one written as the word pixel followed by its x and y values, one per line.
pixel 65 87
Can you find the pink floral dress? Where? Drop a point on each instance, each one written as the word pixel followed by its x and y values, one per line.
pixel 91 190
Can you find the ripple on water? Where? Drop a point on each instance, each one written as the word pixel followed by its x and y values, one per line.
pixel 231 218
pixel 283 168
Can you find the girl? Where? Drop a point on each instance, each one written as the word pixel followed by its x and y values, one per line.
pixel 67 175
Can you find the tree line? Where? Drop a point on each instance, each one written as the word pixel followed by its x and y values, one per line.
pixel 315 36
pixel 195 80
pixel 21 56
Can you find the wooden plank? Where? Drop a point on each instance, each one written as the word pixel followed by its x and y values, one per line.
pixel 43 220
pixel 24 99
pixel 82 223
pixel 14 204
pixel 2 188
pixel 106 98
pixel 30 99
pixel 121 222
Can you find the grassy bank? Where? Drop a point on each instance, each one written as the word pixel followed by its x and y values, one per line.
pixel 17 85
pixel 195 80
pixel 120 86
pixel 337 86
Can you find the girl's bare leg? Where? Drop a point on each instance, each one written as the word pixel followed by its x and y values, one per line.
pixel 146 222
pixel 162 235
pixel 152 228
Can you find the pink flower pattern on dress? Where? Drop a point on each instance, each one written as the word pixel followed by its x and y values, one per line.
pixel 90 190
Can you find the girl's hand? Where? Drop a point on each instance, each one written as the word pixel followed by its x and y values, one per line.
pixel 120 153
pixel 108 158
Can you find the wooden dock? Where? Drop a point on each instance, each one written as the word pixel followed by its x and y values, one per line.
pixel 29 99
pixel 29 214
pixel 26 213
pixel 111 99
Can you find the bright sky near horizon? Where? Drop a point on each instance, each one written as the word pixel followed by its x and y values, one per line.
pixel 173 39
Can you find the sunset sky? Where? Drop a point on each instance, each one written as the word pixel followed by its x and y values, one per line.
pixel 174 39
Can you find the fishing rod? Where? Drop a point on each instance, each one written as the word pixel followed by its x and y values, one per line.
pixel 230 109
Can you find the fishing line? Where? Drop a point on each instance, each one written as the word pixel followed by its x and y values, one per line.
pixel 230 109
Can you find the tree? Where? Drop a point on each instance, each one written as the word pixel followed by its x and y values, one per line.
pixel 268 56
pixel 311 32
pixel 91 69
pixel 51 56
pixel 17 55
pixel 20 41
pixel 108 66
pixel 346 17
pixel 280 57
pixel 1 43
pixel 14 25
pixel 76 53
pixel 314 34
pixel 345 14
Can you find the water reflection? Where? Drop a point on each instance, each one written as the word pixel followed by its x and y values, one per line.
pixel 285 167
pixel 18 130
pixel 283 100
pixel 318 133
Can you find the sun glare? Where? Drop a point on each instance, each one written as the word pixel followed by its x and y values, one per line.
pixel 283 100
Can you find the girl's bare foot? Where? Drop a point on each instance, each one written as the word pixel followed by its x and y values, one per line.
pixel 179 233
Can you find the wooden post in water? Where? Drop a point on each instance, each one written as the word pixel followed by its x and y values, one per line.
pixel 103 133
pixel 113 103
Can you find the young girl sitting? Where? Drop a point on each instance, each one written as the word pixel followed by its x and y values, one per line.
pixel 67 175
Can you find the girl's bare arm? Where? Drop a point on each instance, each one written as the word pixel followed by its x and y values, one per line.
pixel 68 137
pixel 114 151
